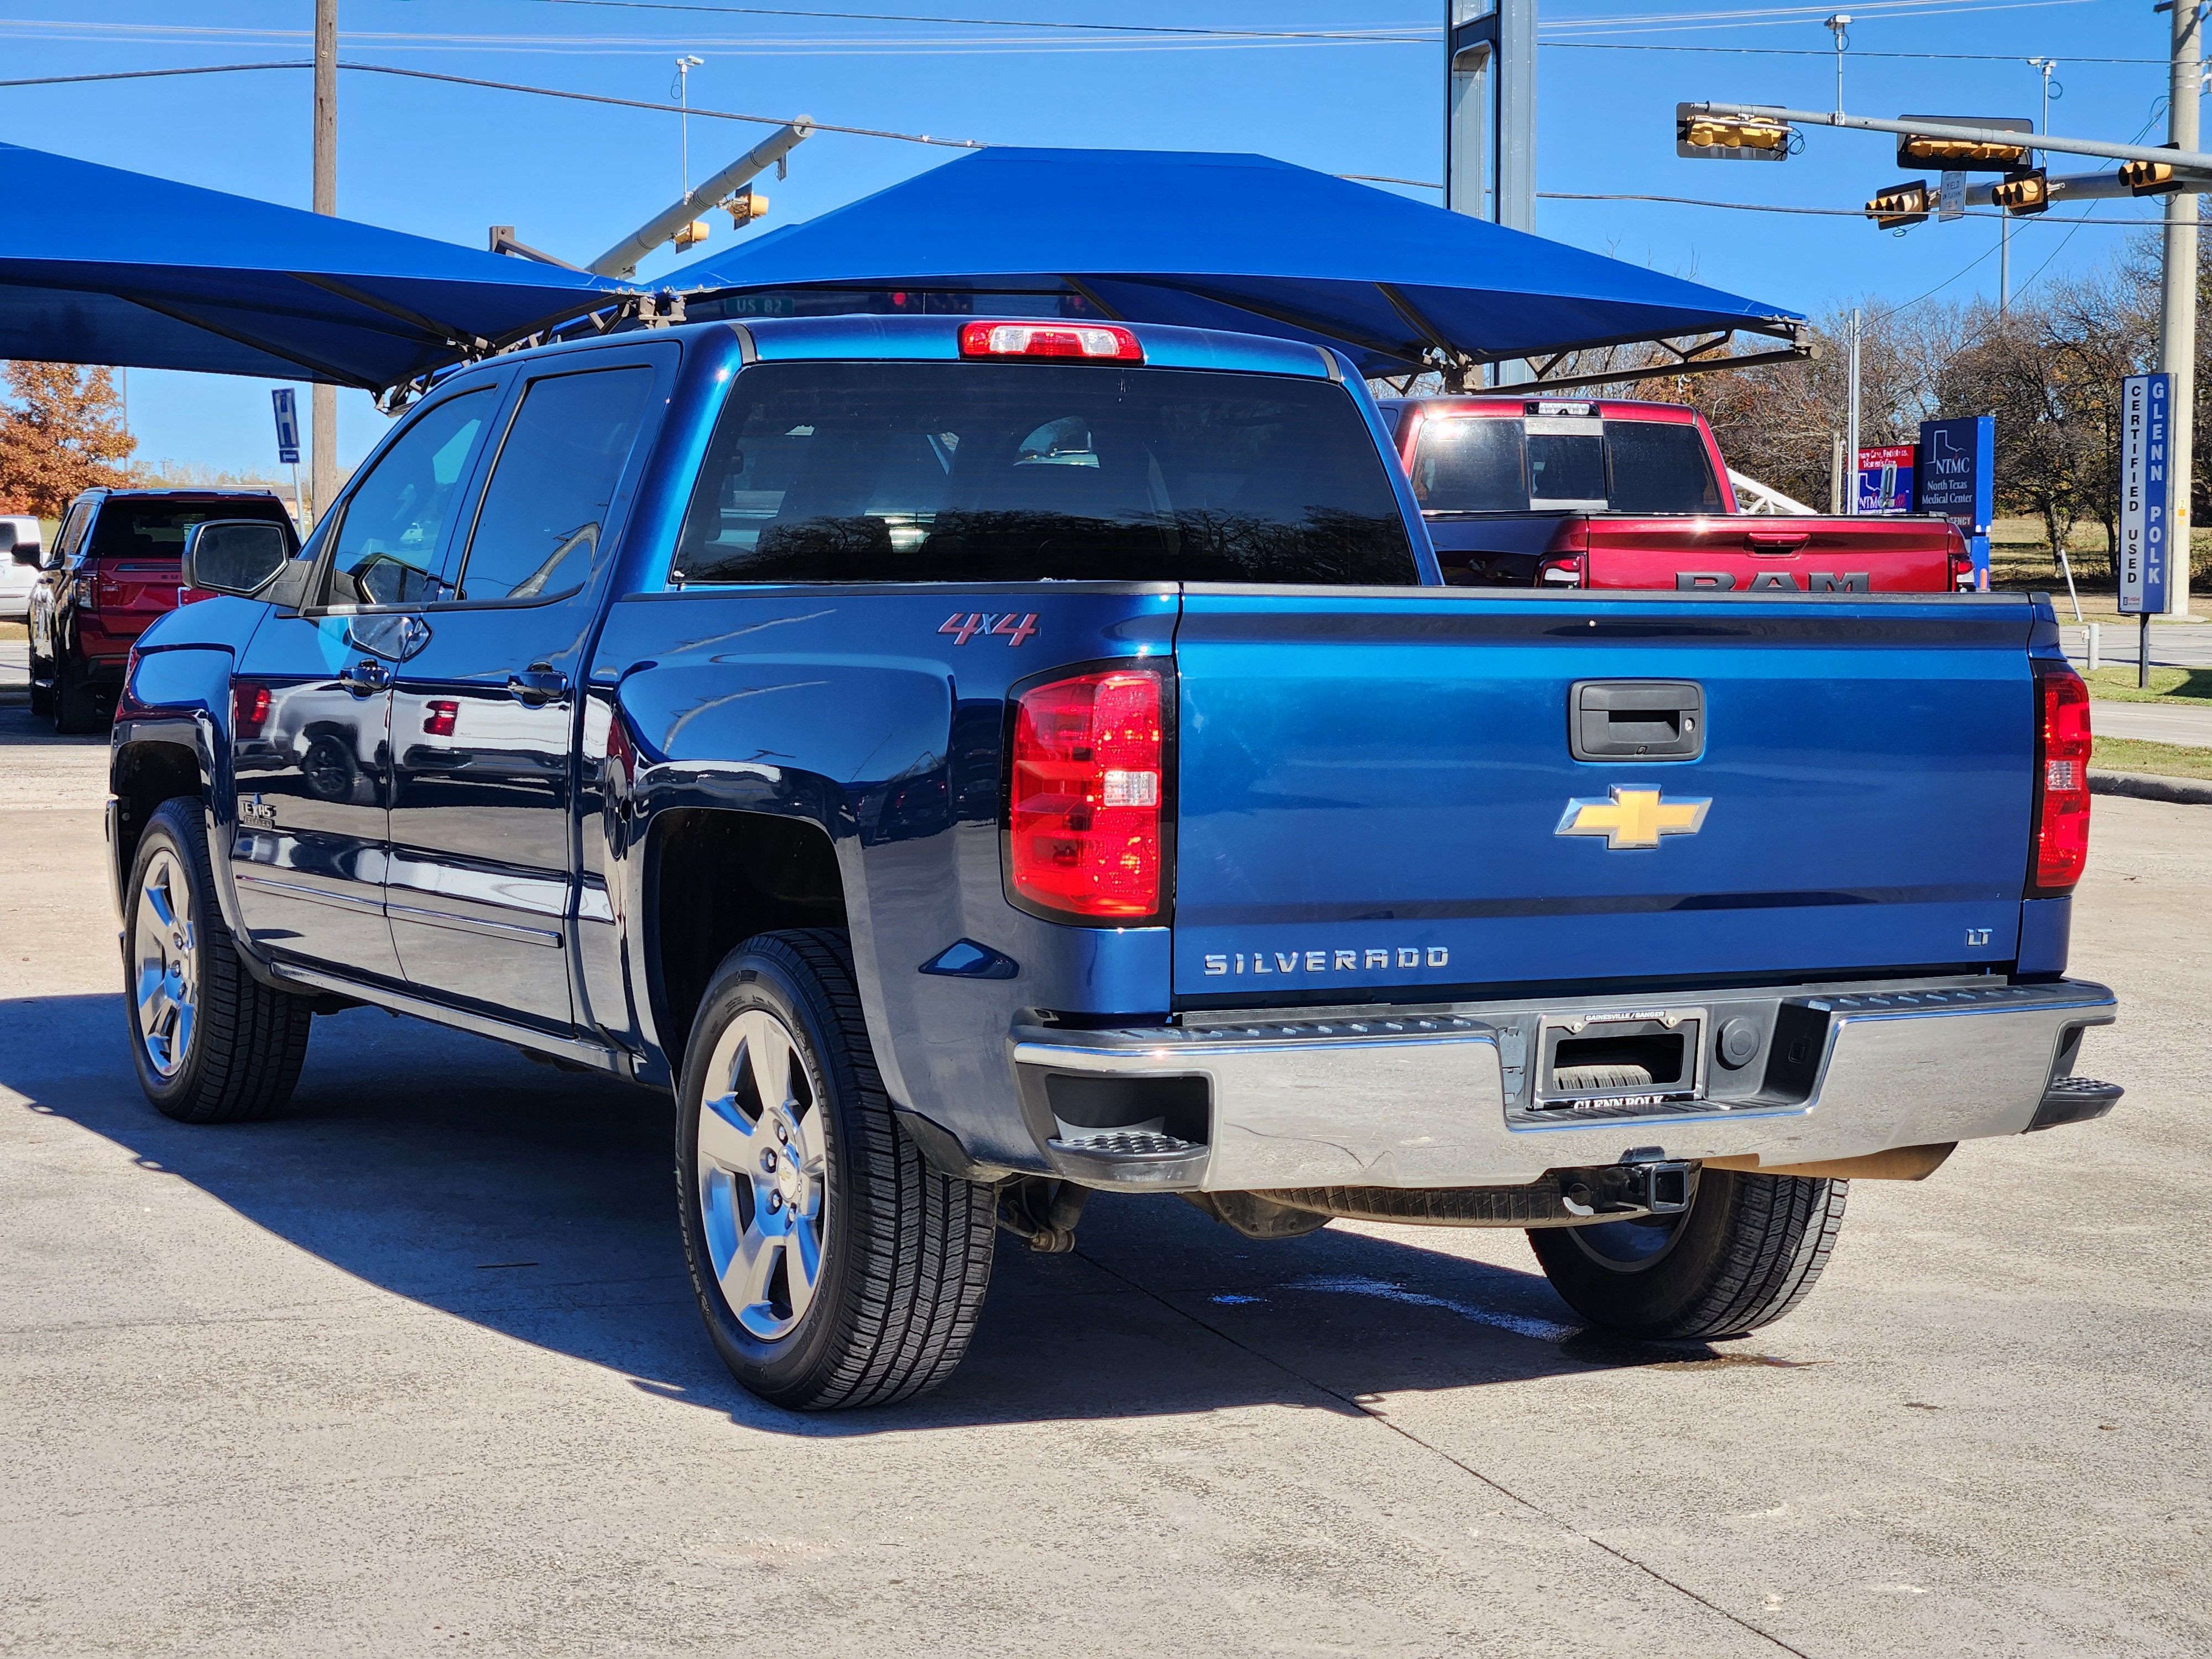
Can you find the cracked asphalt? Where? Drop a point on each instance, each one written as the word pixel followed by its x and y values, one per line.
pixel 415 1368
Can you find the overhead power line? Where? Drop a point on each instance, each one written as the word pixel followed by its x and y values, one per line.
pixel 1411 30
pixel 1764 207
pixel 500 86
pixel 672 109
pixel 1739 207
pixel 1826 54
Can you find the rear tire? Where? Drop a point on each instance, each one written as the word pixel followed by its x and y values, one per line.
pixel 832 1265
pixel 211 1044
pixel 1748 1250
pixel 75 705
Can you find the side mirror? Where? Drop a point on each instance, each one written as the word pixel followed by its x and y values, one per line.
pixel 233 555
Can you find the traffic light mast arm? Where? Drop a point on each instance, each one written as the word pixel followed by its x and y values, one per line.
pixel 2195 166
pixel 2072 187
pixel 621 260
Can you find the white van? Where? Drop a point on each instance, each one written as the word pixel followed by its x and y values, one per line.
pixel 19 551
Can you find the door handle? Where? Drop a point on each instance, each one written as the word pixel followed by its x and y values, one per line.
pixel 537 686
pixel 366 678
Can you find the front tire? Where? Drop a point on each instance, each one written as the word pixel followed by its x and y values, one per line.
pixel 211 1044
pixel 1748 1250
pixel 42 696
pixel 832 1265
pixel 76 704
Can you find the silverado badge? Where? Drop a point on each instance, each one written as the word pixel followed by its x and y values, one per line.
pixel 1634 817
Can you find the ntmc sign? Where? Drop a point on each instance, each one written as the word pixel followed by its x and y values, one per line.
pixel 2146 496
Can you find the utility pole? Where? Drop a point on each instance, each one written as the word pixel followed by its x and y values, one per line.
pixel 322 400
pixel 2177 344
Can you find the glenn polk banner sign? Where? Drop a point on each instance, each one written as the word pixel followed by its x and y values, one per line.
pixel 2146 406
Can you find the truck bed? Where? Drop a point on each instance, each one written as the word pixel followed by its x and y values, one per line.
pixel 1736 553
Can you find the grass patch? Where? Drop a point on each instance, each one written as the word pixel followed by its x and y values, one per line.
pixel 2190 687
pixel 2163 760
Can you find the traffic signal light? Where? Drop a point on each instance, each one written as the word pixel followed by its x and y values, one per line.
pixel 1900 205
pixel 2148 178
pixel 1917 150
pixel 1731 137
pixel 2025 191
pixel 747 205
pixel 689 235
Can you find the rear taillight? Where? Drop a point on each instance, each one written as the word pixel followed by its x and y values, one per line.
pixel 1561 564
pixel 249 709
pixel 2062 779
pixel 88 589
pixel 1963 580
pixel 1085 834
pixel 1097 342
pixel 439 722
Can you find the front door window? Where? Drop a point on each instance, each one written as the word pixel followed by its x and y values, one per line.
pixel 387 543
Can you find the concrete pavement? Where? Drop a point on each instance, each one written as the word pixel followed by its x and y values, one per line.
pixel 415 1368
pixel 2152 722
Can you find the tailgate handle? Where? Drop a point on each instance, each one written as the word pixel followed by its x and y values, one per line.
pixel 1776 541
pixel 1618 720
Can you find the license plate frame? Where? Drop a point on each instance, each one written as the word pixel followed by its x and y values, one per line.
pixel 1627 1032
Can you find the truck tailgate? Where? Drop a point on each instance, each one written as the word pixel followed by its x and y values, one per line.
pixel 1786 555
pixel 1376 791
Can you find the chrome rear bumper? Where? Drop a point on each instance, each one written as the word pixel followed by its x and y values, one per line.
pixel 1381 1098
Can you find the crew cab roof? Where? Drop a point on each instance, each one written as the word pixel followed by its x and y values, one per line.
pixel 861 338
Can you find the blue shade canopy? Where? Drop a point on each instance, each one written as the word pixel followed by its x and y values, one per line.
pixel 105 266
pixel 1236 242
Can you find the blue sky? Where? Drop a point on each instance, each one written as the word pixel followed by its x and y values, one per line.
pixel 446 161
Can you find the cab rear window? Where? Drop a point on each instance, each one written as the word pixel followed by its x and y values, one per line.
pixel 1481 464
pixel 869 472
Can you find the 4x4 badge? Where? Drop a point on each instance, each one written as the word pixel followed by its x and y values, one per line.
pixel 965 625
pixel 1634 816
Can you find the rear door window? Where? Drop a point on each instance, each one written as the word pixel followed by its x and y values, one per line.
pixel 858 472
pixel 539 531
pixel 387 542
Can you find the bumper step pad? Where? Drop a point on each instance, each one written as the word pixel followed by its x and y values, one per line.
pixel 2075 1100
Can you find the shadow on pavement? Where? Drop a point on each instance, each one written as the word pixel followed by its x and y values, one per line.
pixel 536 1203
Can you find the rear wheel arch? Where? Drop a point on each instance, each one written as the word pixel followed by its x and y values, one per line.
pixel 715 876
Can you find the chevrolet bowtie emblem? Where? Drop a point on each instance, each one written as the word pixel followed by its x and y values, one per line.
pixel 1634 817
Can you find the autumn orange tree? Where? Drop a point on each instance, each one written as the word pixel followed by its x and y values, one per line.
pixel 61 431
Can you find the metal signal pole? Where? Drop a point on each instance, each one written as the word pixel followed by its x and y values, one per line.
pixel 1857 328
pixel 322 400
pixel 2177 344
pixel 1489 120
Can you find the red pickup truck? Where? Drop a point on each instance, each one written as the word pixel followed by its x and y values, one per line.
pixel 1523 491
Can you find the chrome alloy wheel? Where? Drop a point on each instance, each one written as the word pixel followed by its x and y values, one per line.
pixel 763 1174
pixel 1632 1246
pixel 165 976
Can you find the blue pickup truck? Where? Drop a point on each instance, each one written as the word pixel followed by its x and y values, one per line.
pixel 972 763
